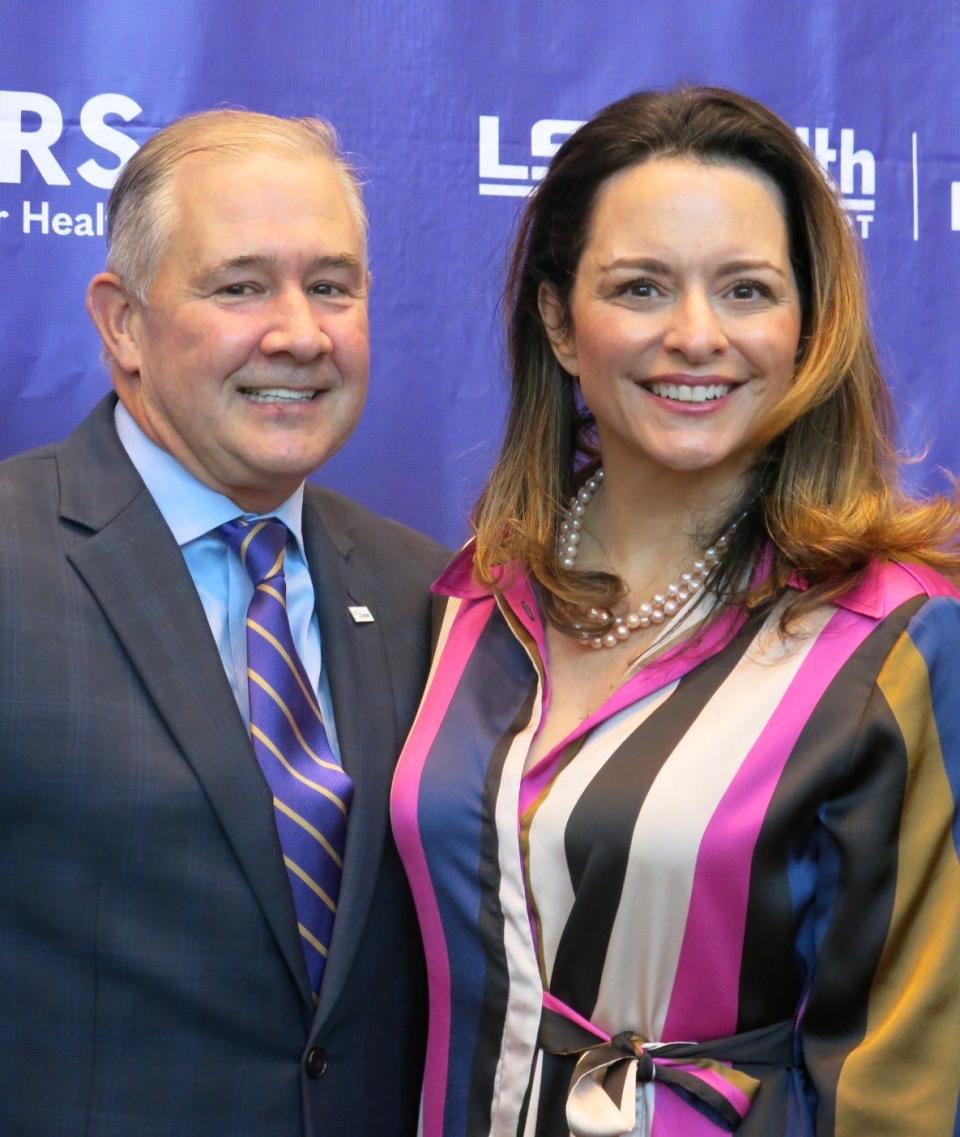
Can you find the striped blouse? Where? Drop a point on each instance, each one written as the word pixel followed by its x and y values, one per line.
pixel 729 900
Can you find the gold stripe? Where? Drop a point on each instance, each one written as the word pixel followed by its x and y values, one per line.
pixel 265 686
pixel 271 591
pixel 275 567
pixel 914 996
pixel 314 833
pixel 258 733
pixel 312 939
pixel 282 652
pixel 309 882
pixel 249 537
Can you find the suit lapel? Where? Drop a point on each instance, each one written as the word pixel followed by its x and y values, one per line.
pixel 355 660
pixel 130 562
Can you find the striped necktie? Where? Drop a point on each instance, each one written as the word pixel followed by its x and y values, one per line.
pixel 311 791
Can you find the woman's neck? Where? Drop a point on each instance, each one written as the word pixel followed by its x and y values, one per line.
pixel 647 526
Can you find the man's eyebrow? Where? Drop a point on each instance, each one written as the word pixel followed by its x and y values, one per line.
pixel 346 261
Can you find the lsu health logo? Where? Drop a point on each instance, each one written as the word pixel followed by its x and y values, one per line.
pixel 509 179
pixel 31 126
pixel 854 169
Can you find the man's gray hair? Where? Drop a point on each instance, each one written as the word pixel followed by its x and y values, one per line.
pixel 140 212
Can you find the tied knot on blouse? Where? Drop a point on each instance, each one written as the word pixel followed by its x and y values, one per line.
pixel 602 1095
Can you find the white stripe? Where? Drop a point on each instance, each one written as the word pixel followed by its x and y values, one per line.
pixel 670 827
pixel 519 1039
pixel 548 858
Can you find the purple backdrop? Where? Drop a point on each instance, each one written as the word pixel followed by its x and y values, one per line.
pixel 450 110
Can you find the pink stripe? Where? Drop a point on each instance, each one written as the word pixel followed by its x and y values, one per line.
pixel 466 631
pixel 552 1003
pixel 717 1082
pixel 672 1115
pixel 712 948
pixel 672 665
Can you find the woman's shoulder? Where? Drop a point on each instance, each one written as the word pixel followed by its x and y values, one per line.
pixel 886 585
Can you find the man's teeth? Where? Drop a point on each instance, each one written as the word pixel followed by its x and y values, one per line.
pixel 681 393
pixel 277 395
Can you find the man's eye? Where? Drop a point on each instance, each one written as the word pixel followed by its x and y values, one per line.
pixel 326 288
pixel 240 289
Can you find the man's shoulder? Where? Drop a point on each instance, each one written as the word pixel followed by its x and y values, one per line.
pixel 354 527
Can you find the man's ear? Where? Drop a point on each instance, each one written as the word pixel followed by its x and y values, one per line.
pixel 113 312
pixel 559 330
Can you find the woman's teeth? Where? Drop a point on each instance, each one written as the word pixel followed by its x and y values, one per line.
pixel 681 393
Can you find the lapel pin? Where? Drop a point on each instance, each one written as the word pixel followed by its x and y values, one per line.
pixel 361 613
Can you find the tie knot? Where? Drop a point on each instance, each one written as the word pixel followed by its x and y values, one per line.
pixel 260 546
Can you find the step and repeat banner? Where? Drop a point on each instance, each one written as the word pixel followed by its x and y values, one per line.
pixel 452 111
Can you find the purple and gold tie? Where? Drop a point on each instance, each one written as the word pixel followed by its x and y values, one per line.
pixel 311 792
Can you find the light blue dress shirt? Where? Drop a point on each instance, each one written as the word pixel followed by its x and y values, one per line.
pixel 193 511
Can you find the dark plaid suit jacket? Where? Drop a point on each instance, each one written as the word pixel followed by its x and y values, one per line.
pixel 151 978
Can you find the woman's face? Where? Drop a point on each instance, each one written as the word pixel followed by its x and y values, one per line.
pixel 685 316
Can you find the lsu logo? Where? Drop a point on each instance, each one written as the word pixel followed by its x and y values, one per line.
pixel 855 170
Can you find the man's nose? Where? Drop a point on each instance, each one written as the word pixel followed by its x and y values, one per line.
pixel 695 330
pixel 296 328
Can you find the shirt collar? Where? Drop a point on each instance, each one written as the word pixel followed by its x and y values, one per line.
pixel 190 508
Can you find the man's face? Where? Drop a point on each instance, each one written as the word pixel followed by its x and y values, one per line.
pixel 250 358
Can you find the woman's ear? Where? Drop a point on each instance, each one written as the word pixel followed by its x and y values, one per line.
pixel 559 329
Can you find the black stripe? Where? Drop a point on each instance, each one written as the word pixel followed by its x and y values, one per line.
pixel 600 829
pixel 841 789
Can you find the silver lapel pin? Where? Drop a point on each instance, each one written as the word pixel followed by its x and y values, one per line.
pixel 361 613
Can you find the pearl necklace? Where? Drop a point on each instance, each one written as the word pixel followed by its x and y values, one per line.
pixel 660 605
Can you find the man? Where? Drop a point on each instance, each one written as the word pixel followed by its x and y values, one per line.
pixel 158 973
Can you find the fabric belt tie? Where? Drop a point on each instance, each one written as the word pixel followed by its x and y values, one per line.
pixel 602 1098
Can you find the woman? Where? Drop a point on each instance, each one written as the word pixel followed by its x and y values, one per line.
pixel 678 807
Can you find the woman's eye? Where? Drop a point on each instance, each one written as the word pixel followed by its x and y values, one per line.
pixel 749 290
pixel 642 289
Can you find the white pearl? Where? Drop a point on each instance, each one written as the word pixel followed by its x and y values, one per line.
pixel 661 605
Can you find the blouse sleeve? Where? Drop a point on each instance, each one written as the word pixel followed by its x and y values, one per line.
pixel 880 1030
